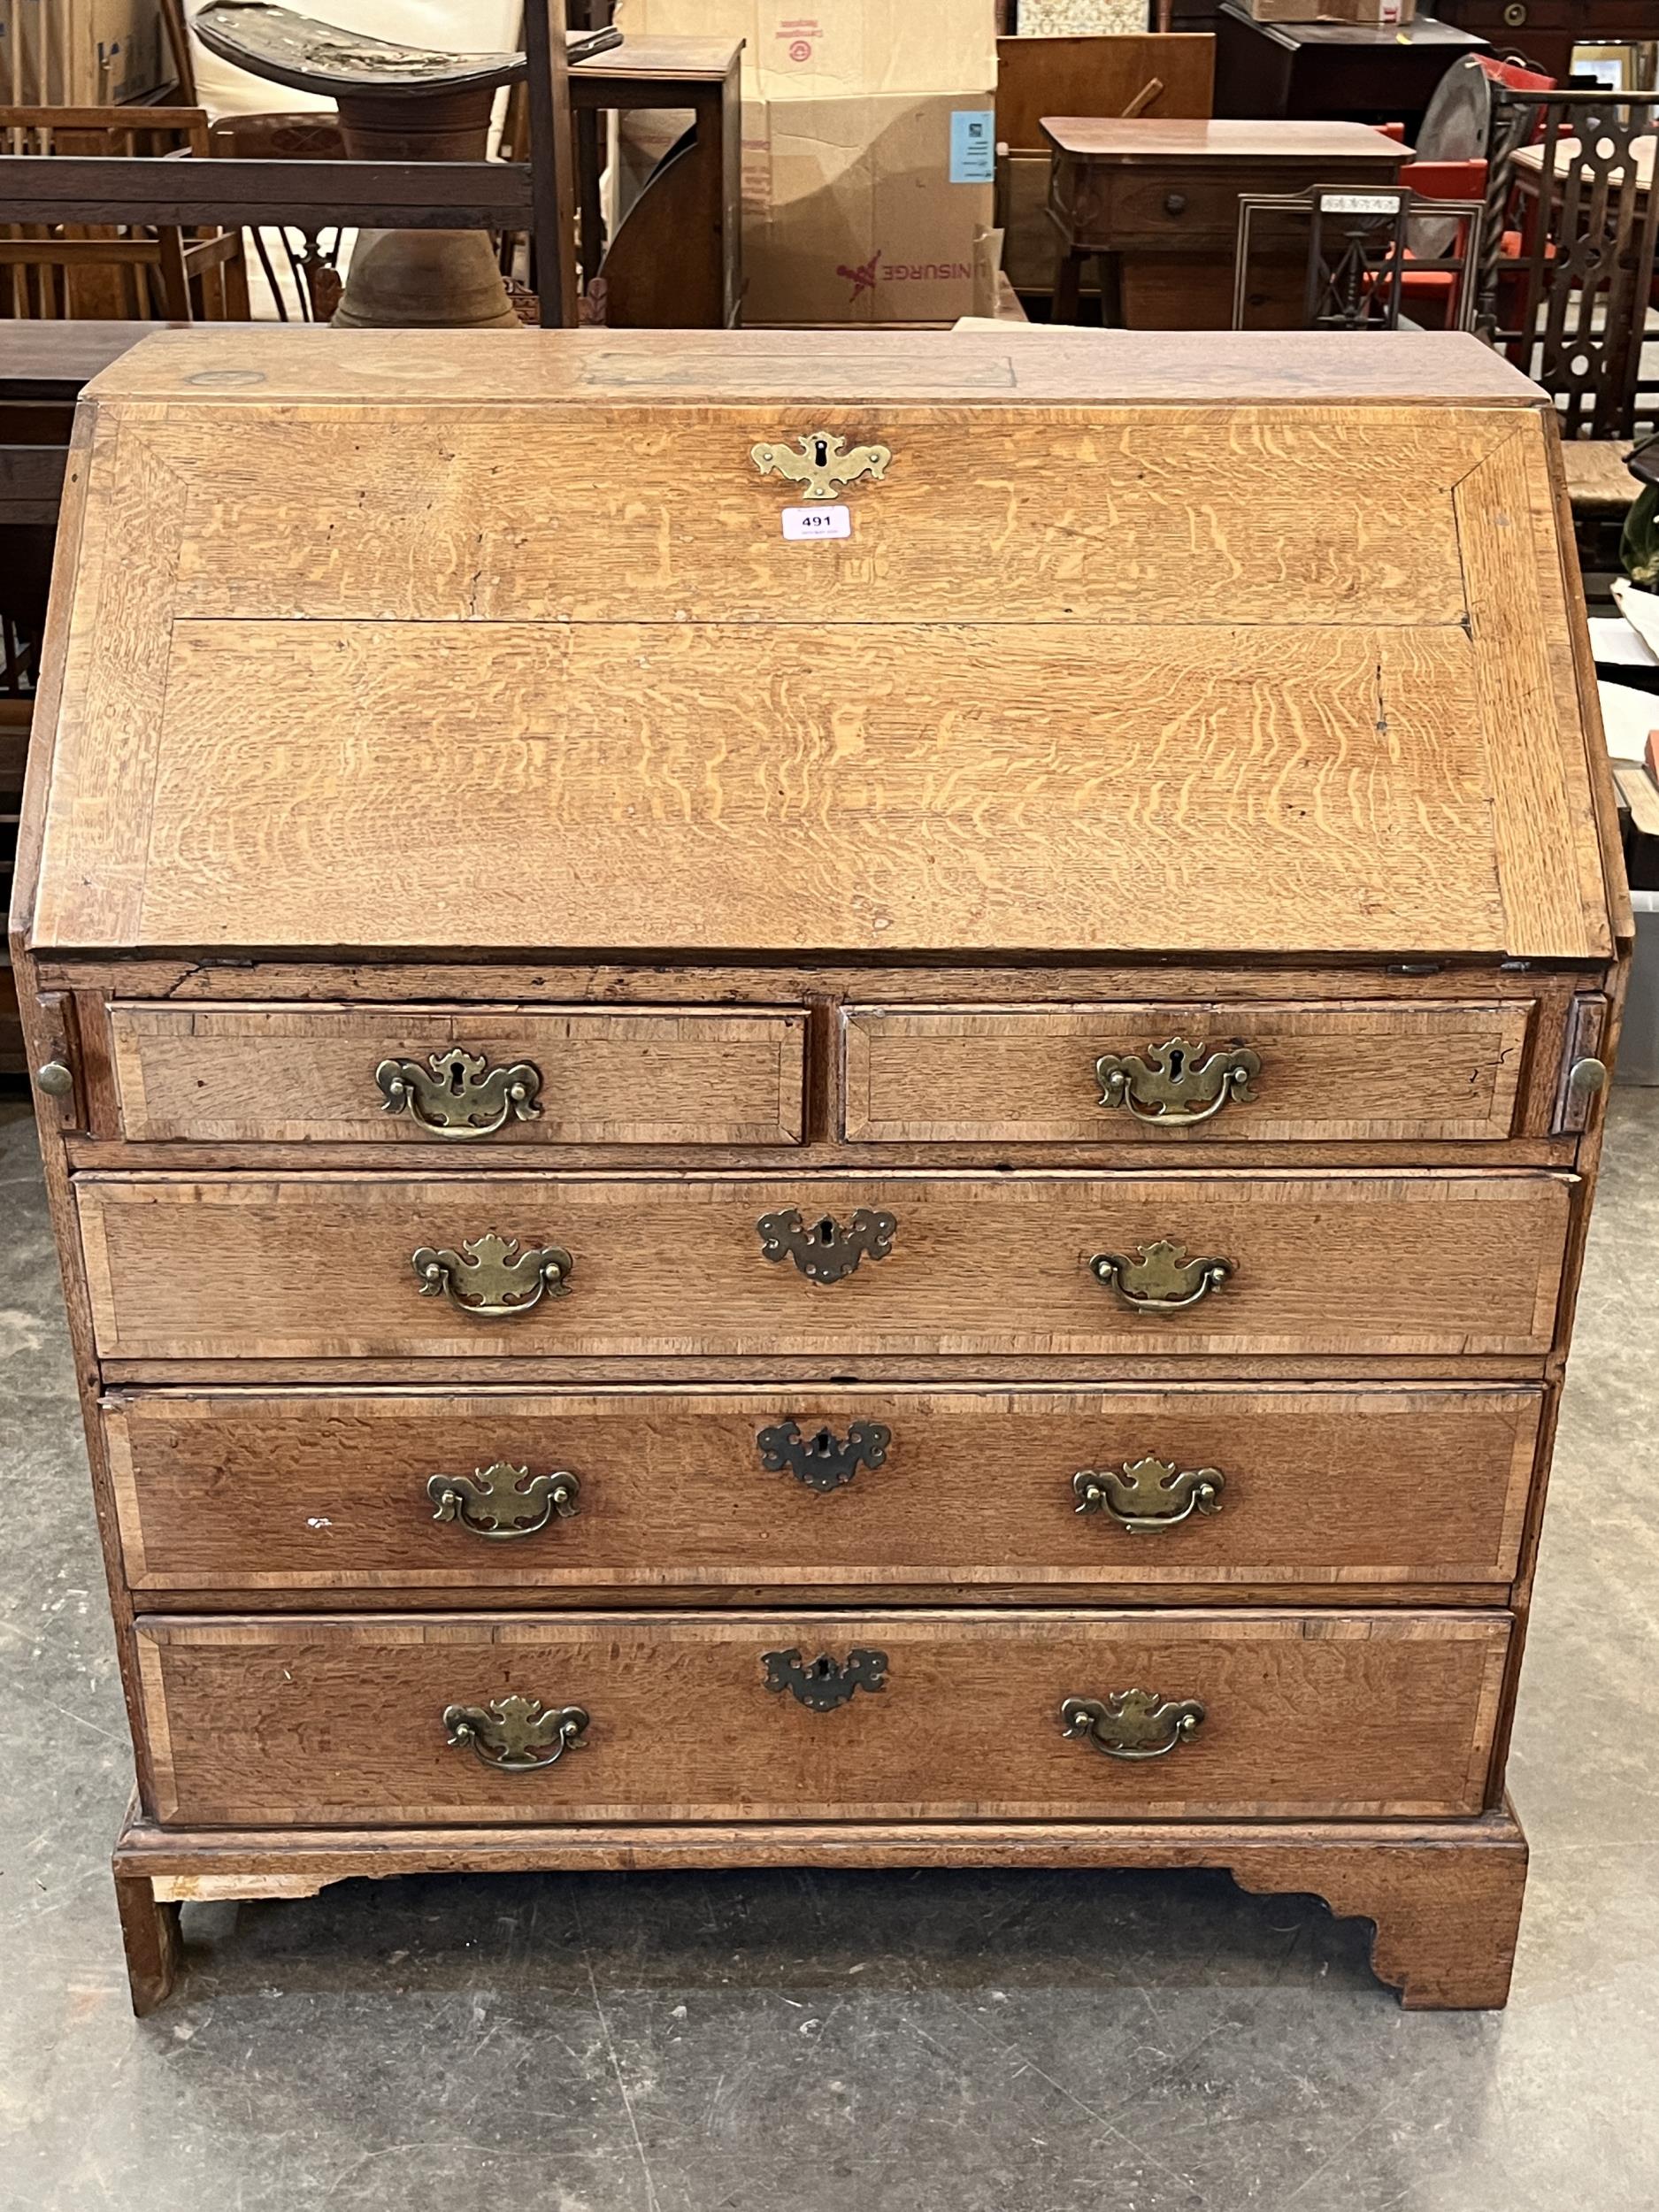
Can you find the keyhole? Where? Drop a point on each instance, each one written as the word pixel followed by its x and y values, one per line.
pixel 822 1668
pixel 822 1444
pixel 824 1231
pixel 1178 1063
pixel 820 448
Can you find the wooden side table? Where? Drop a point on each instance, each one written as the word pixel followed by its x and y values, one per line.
pixel 1157 202
pixel 676 260
pixel 1355 71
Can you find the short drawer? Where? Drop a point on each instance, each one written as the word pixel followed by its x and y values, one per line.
pixel 1184 1074
pixel 820 1716
pixel 457 1076
pixel 852 1490
pixel 522 1265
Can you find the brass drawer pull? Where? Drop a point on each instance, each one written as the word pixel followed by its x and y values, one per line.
pixel 822 1684
pixel 516 1734
pixel 1177 1084
pixel 1132 1723
pixel 1148 1493
pixel 1160 1279
pixel 453 1096
pixel 501 1501
pixel 823 1460
pixel 491 1278
pixel 826 1252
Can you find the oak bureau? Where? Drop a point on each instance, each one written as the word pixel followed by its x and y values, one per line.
pixel 821 1100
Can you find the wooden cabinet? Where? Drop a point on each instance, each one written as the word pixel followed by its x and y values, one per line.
pixel 905 1200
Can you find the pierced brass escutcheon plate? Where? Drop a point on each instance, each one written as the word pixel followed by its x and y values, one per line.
pixel 823 1460
pixel 822 1684
pixel 822 466
pixel 1177 1084
pixel 1147 1494
pixel 490 1277
pixel 1160 1279
pixel 458 1095
pixel 1132 1723
pixel 825 1252
pixel 500 1502
pixel 517 1735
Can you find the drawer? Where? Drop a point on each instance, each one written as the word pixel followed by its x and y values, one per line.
pixel 455 1076
pixel 824 1487
pixel 1183 1073
pixel 363 1266
pixel 296 1721
pixel 1180 206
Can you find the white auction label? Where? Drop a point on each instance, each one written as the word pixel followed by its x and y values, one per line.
pixel 816 522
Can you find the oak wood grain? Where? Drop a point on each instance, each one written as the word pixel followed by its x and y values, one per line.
pixel 300 1720
pixel 736 786
pixel 422 368
pixel 635 515
pixel 250 1073
pixel 1444 1897
pixel 320 1265
pixel 324 1490
pixel 1376 1071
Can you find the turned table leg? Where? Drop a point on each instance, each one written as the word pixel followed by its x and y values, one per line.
pixel 149 1930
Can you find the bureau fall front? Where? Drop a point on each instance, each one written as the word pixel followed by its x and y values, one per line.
pixel 739 1195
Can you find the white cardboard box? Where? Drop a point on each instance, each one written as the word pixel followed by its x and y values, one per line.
pixel 839 48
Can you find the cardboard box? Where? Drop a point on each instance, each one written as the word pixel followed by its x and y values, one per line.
pixel 839 49
pixel 82 53
pixel 865 211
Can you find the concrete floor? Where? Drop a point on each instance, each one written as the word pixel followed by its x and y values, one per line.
pixel 836 2043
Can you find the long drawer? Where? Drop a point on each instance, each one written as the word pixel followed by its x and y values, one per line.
pixel 339 1266
pixel 867 1489
pixel 822 1716
pixel 1180 1074
pixel 458 1076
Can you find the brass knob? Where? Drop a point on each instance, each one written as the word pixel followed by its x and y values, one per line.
pixel 1587 1076
pixel 54 1079
pixel 1175 203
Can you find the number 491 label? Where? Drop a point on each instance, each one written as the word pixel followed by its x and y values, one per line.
pixel 816 522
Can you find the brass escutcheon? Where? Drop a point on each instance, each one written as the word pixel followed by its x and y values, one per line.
pixel 822 466
pixel 822 1684
pixel 491 1278
pixel 458 1095
pixel 1132 1723
pixel 512 1733
pixel 1177 1084
pixel 500 1502
pixel 825 1252
pixel 1160 1279
pixel 1148 1493
pixel 823 1460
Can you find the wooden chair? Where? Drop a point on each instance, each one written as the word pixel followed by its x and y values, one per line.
pixel 1109 74
pixel 1571 230
pixel 112 270
pixel 1361 255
